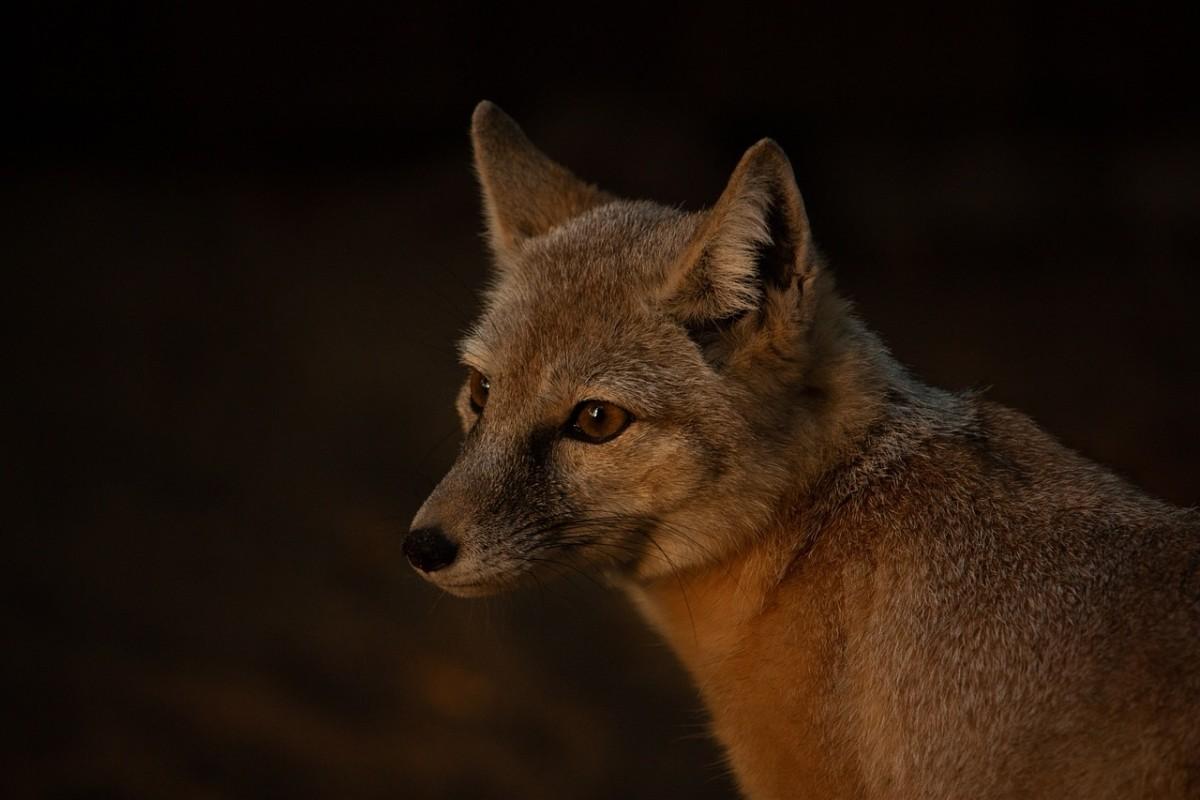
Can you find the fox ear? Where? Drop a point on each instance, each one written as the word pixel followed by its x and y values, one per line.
pixel 525 194
pixel 752 248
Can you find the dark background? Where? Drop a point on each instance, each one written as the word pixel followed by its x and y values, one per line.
pixel 240 243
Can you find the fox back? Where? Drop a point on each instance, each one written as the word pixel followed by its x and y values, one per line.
pixel 881 589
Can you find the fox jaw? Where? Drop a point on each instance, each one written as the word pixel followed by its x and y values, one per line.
pixel 639 379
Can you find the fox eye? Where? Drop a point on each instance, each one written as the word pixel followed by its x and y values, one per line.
pixel 479 390
pixel 596 421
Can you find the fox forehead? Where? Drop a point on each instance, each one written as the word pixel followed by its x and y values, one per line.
pixel 618 251
pixel 577 305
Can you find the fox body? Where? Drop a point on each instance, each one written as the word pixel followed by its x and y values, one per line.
pixel 882 590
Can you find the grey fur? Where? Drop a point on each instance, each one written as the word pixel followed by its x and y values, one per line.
pixel 973 609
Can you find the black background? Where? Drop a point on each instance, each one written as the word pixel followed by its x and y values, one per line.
pixel 241 241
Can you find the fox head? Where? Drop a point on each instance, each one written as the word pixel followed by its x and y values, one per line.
pixel 642 382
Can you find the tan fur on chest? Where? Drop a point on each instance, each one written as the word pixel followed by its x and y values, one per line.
pixel 762 636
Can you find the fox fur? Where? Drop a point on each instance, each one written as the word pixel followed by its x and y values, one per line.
pixel 880 589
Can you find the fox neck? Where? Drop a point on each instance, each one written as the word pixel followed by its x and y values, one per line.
pixel 806 409
pixel 854 404
pixel 724 617
pixel 723 624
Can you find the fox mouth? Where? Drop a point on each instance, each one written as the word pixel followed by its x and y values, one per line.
pixel 470 589
pixel 480 587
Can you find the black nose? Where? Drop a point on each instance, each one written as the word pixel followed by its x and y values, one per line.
pixel 428 549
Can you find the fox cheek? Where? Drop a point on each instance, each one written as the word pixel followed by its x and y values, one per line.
pixel 641 479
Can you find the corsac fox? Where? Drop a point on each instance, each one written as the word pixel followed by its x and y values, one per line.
pixel 881 589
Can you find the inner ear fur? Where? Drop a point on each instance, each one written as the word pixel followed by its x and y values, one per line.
pixel 525 193
pixel 753 243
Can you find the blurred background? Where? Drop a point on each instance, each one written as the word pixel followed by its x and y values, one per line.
pixel 240 243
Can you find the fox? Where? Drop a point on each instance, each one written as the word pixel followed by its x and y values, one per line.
pixel 879 588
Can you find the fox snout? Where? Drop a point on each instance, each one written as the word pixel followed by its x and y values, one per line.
pixel 463 537
pixel 438 551
pixel 435 546
pixel 430 549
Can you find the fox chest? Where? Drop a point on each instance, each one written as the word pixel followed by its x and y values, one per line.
pixel 774 708
pixel 768 677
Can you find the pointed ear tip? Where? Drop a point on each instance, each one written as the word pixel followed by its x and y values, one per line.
pixel 483 109
pixel 767 149
pixel 488 115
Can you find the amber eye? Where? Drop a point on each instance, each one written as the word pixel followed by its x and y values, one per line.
pixel 596 421
pixel 479 390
